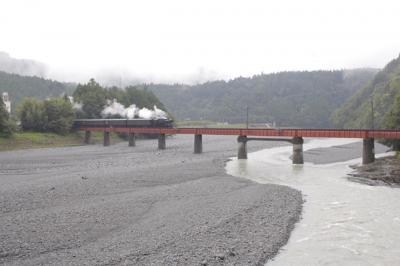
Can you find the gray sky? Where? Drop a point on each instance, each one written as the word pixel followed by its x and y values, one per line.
pixel 190 41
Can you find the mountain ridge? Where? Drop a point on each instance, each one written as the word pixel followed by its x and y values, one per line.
pixel 291 98
pixel 378 95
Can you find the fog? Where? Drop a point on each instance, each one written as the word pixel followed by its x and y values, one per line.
pixel 22 66
pixel 125 42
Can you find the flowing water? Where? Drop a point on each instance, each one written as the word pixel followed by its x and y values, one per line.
pixel 343 223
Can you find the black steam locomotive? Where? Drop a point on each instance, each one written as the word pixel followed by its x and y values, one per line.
pixel 124 123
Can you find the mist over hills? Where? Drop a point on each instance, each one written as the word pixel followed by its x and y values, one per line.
pixel 300 98
pixel 339 98
pixel 19 87
pixel 23 67
pixel 304 99
pixel 380 93
pixel 24 78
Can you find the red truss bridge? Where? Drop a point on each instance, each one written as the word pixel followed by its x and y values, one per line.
pixel 292 135
pixel 287 132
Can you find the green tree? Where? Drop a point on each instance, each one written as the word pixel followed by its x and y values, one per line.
pixel 60 115
pixel 32 115
pixel 92 97
pixel 392 121
pixel 6 125
pixel 55 115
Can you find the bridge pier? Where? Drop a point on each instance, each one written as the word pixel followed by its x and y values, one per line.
pixel 242 148
pixel 88 135
pixel 297 157
pixel 131 139
pixel 368 151
pixel 106 138
pixel 198 144
pixel 161 142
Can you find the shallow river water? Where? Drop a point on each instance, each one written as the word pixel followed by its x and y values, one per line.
pixel 343 223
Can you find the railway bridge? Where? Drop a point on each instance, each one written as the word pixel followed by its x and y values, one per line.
pixel 294 136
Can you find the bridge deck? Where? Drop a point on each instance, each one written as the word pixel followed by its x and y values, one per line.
pixel 316 133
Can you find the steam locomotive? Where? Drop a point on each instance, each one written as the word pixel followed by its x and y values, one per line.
pixel 124 123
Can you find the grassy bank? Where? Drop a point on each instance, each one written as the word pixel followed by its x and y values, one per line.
pixel 29 140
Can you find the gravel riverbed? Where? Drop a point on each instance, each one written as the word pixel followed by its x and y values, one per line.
pixel 120 205
pixel 383 172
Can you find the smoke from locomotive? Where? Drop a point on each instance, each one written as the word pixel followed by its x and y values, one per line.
pixel 114 108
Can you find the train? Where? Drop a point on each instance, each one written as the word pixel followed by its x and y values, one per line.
pixel 123 123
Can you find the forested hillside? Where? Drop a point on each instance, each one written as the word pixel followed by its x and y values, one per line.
pixel 19 87
pixel 380 95
pixel 305 99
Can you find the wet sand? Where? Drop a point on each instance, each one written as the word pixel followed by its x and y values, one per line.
pixel 120 205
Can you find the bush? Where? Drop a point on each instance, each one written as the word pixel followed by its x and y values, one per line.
pixel 55 115
pixel 59 114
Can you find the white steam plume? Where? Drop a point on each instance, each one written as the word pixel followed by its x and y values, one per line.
pixel 75 105
pixel 158 113
pixel 131 112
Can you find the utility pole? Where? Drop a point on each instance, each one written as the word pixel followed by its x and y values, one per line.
pixel 372 113
pixel 247 117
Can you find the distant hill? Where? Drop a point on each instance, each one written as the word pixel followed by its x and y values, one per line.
pixel 382 90
pixel 305 99
pixel 19 87
pixel 23 67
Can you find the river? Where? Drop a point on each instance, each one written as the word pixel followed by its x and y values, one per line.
pixel 343 222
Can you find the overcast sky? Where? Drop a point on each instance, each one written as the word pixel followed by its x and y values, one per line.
pixel 190 41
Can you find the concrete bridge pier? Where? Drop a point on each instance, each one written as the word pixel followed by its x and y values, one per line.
pixel 131 139
pixel 106 139
pixel 297 157
pixel 88 135
pixel 242 149
pixel 161 142
pixel 368 151
pixel 198 144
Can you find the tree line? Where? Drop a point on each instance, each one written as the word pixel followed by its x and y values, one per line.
pixel 21 87
pixel 57 114
pixel 376 105
pixel 296 98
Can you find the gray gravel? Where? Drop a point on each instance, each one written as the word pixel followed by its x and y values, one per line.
pixel 339 153
pixel 120 205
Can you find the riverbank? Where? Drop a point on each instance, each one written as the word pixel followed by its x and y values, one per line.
pixel 384 171
pixel 94 205
pixel 31 140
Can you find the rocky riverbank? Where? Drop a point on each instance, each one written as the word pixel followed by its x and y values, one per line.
pixel 384 171
pixel 120 205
